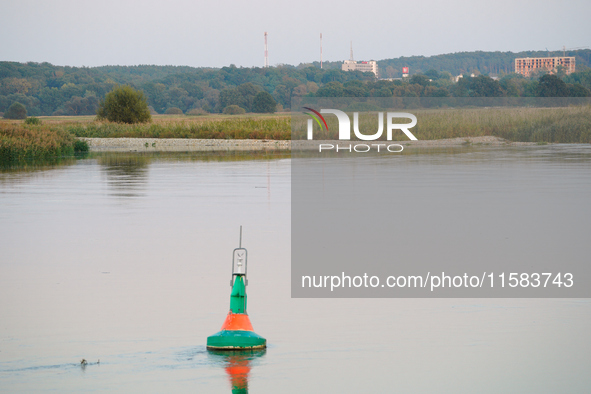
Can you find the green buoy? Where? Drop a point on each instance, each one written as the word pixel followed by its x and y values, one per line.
pixel 237 332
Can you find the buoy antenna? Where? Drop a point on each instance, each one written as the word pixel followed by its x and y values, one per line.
pixel 240 243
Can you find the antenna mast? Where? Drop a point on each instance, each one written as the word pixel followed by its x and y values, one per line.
pixel 320 50
pixel 352 51
pixel 266 52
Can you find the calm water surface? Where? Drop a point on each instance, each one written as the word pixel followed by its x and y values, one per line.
pixel 126 259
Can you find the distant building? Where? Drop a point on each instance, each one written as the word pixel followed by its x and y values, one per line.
pixel 528 65
pixel 457 77
pixel 352 65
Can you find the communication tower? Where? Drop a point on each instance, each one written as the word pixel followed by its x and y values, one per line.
pixel 320 50
pixel 266 52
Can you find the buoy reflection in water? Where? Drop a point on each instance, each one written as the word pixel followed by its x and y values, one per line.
pixel 237 364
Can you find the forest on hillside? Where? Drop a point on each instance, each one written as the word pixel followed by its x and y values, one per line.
pixel 46 89
pixel 466 62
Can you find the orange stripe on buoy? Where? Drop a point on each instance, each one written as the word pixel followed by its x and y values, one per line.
pixel 237 321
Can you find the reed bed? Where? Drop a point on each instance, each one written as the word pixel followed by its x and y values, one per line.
pixel 57 137
pixel 269 128
pixel 20 142
pixel 554 125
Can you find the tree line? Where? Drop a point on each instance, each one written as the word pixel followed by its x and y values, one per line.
pixel 478 62
pixel 46 89
pixel 434 84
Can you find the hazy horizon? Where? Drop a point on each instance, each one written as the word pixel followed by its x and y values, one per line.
pixel 255 66
pixel 183 33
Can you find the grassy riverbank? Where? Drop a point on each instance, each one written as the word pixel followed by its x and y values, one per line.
pixel 523 124
pixel 276 128
pixel 248 126
pixel 21 142
pixel 56 136
pixel 553 125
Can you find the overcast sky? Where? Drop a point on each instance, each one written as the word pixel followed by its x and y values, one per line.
pixel 219 33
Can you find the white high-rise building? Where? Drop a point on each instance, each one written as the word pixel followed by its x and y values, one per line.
pixel 352 65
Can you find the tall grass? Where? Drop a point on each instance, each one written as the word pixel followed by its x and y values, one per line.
pixel 275 128
pixel 57 137
pixel 564 125
pixel 20 142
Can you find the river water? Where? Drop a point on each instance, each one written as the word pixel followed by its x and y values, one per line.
pixel 126 259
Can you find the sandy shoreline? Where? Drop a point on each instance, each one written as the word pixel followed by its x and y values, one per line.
pixel 205 145
pixel 180 144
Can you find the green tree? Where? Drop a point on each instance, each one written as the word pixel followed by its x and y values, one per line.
pixel 124 104
pixel 263 103
pixel 248 91
pixel 192 89
pixel 14 85
pixel 462 87
pixel 16 111
pixel 157 96
pixel 313 74
pixel 583 77
pixel 419 79
pixel 513 84
pixel 179 98
pixel 440 92
pixel 552 86
pixel 234 110
pixel 81 106
pixel 578 90
pixel 383 92
pixel 174 111
pixel 485 86
pixel 432 74
pixel 332 76
pixel 282 96
pixel 33 121
pixel 231 96
pixel 331 89
pixel 51 99
pixel 354 89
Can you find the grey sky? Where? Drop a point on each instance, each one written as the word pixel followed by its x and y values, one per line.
pixel 216 34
